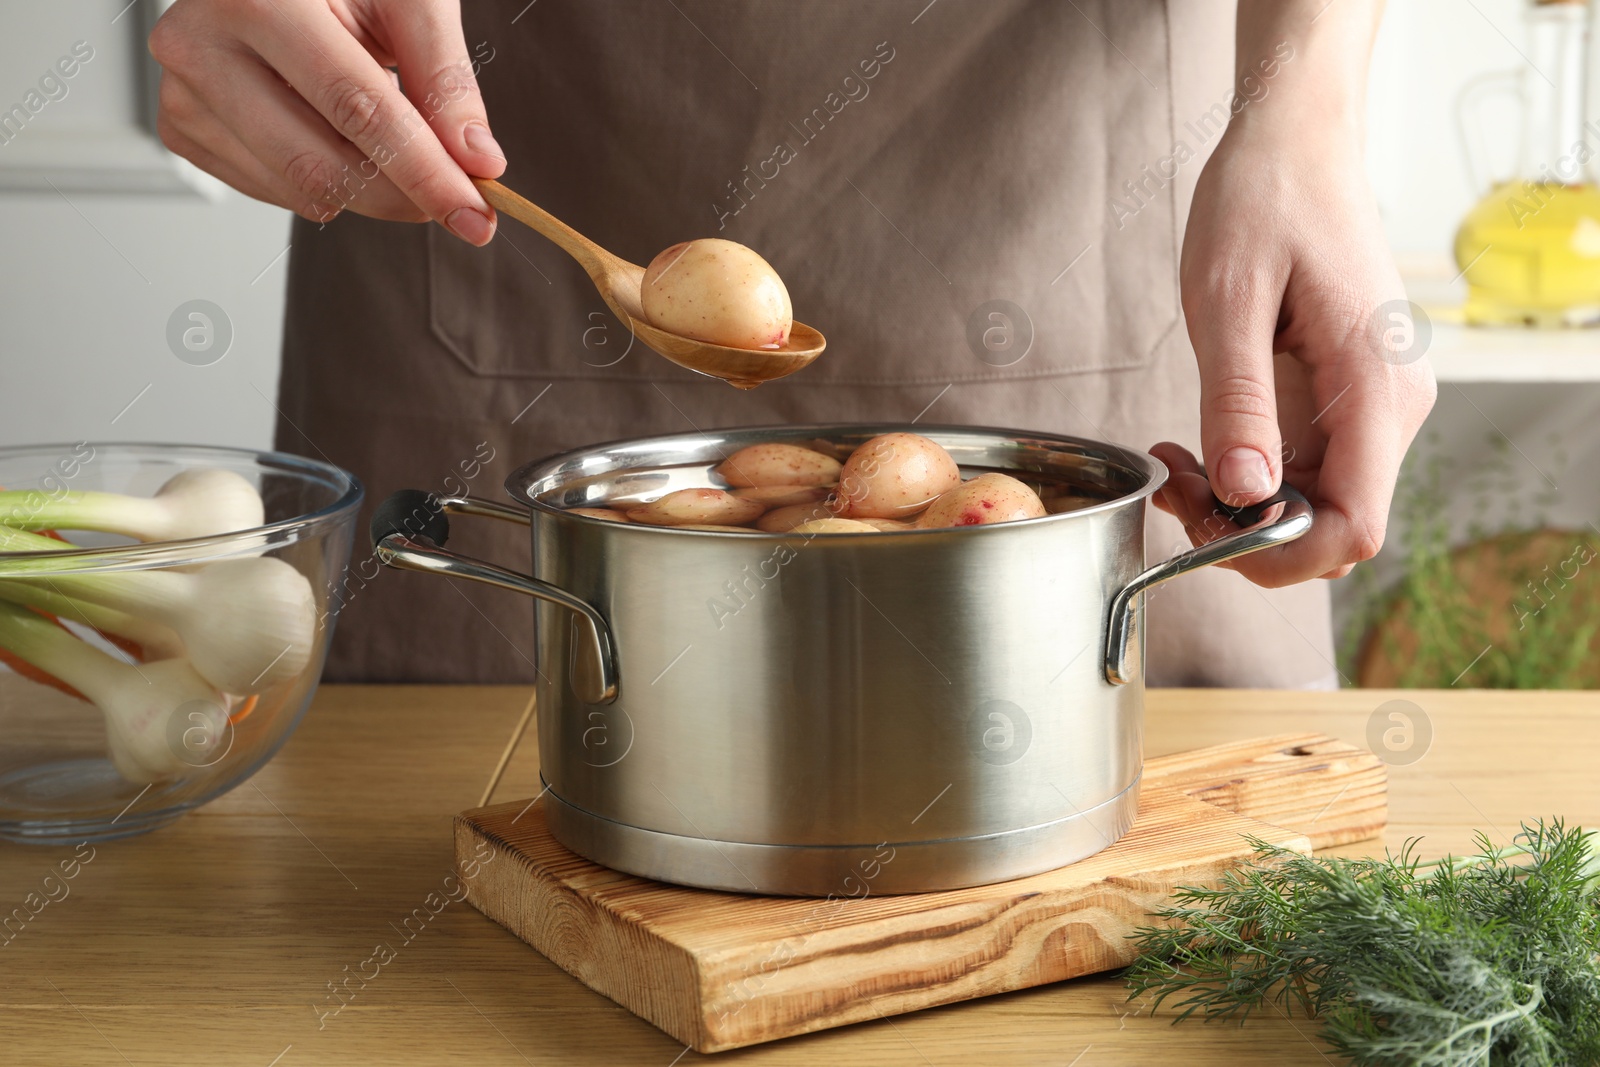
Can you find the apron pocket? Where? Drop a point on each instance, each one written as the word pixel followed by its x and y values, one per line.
pixel 520 308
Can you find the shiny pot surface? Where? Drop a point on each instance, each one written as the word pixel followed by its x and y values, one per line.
pixel 839 713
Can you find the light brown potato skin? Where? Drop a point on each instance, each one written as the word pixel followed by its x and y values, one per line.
pixel 778 464
pixel 785 519
pixel 718 291
pixel 697 507
pixel 599 513
pixel 821 526
pixel 783 496
pixel 987 499
pixel 893 476
pixel 888 525
pixel 718 529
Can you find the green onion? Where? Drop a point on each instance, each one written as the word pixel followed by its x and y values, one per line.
pixel 194 503
pixel 246 624
pixel 161 718
pixel 154 640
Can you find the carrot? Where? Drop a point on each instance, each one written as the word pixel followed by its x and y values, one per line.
pixel 132 648
pixel 245 709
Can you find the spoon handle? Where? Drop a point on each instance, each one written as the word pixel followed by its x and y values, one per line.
pixel 590 256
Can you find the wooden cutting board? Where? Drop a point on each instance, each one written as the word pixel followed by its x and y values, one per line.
pixel 722 970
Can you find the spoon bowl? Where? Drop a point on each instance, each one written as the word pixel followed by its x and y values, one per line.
pixel 620 284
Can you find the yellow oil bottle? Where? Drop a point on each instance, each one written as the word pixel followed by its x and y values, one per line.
pixel 1530 249
pixel 1531 255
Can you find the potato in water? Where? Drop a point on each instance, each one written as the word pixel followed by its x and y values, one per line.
pixel 718 291
pixel 783 496
pixel 599 513
pixel 778 464
pixel 784 519
pixel 718 529
pixel 893 476
pixel 988 498
pixel 697 507
pixel 821 526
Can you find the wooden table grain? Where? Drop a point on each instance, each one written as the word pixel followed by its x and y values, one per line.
pixel 217 940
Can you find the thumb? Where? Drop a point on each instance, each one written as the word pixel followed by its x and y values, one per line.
pixel 1239 434
pixel 440 79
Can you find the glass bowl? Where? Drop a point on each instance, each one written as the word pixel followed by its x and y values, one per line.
pixel 60 756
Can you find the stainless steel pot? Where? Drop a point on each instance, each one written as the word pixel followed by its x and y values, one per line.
pixel 841 714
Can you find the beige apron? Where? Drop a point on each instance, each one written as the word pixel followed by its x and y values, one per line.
pixel 910 169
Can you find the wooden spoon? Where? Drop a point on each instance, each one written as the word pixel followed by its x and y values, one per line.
pixel 620 284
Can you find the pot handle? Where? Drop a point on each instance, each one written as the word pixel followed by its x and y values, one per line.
pixel 408 531
pixel 1123 647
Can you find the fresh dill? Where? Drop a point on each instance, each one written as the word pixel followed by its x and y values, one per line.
pixel 1489 960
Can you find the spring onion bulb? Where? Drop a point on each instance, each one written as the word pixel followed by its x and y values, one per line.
pixel 162 719
pixel 154 640
pixel 246 624
pixel 194 503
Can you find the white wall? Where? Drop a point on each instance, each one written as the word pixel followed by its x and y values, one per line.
pixel 1427 50
pixel 90 274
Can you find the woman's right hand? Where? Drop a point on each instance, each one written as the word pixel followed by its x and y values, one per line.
pixel 291 102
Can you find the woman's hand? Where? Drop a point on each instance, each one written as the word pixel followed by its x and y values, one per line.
pixel 290 102
pixel 1288 289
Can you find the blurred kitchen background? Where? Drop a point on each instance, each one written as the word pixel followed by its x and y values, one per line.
pixel 105 240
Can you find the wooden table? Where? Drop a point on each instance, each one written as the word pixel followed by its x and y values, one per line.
pixel 216 939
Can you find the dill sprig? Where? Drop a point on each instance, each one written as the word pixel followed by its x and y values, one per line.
pixel 1492 959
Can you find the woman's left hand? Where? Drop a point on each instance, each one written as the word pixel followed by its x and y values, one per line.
pixel 1290 295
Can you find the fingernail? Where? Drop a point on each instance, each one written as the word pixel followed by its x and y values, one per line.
pixel 471 226
pixel 1243 472
pixel 481 141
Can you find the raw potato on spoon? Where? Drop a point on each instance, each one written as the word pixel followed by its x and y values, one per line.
pixel 764 342
pixel 718 291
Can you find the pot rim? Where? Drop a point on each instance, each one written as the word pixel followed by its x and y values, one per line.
pixel 521 482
